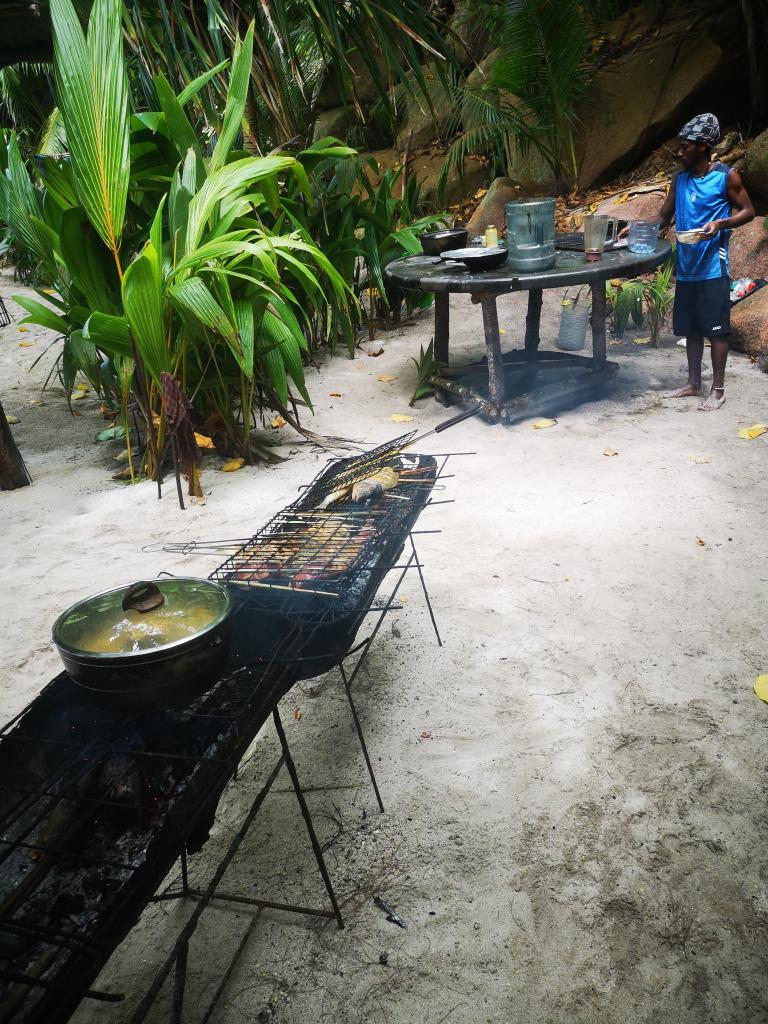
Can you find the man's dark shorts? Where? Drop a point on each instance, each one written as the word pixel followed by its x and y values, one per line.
pixel 702 308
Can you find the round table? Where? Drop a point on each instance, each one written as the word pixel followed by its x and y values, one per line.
pixel 434 274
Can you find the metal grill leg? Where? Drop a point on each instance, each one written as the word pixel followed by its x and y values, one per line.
pixel 360 736
pixel 179 982
pixel 426 592
pixel 307 818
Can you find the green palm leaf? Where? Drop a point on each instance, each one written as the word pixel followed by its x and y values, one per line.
pixel 93 98
pixel 143 305
pixel 238 90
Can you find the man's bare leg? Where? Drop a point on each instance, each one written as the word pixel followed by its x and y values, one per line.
pixel 694 349
pixel 716 397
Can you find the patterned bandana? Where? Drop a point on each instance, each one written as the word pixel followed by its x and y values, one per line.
pixel 702 128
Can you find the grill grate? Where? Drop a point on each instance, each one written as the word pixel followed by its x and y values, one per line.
pixel 308 551
pixel 89 798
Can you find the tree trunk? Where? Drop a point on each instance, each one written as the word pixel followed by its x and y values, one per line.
pixel 13 472
pixel 755 13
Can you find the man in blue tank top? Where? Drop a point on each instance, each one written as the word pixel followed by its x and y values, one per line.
pixel 711 198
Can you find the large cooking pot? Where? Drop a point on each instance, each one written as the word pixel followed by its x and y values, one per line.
pixel 153 645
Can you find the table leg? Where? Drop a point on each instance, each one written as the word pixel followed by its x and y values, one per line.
pixel 598 325
pixel 440 348
pixel 496 385
pixel 533 320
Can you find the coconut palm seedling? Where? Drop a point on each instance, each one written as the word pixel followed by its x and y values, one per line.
pixel 161 256
pixel 658 296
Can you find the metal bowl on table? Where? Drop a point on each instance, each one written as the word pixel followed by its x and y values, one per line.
pixel 478 257
pixel 156 644
pixel 434 243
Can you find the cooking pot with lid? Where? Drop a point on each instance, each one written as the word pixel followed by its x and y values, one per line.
pixel 154 645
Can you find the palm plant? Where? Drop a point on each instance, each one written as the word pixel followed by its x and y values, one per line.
pixel 529 100
pixel 658 296
pixel 162 257
pixel 298 43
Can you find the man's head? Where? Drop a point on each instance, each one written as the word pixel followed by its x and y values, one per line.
pixel 697 138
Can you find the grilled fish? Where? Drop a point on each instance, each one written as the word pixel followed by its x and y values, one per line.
pixel 382 480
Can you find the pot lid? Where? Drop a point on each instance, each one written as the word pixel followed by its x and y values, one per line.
pixel 100 626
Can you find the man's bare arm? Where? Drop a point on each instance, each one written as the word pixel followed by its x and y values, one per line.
pixel 739 199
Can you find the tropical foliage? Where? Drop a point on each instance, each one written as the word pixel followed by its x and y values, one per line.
pixel 528 101
pixel 160 257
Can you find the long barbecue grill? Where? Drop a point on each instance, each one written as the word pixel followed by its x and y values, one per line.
pixel 96 805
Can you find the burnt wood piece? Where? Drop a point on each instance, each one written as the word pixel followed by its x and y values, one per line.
pixel 533 320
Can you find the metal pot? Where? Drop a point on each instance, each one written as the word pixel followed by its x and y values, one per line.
pixel 168 674
pixel 434 243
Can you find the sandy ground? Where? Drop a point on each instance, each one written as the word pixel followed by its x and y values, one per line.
pixel 580 835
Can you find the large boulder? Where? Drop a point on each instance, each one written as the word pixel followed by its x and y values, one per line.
pixel 364 86
pixel 492 208
pixel 645 95
pixel 468 41
pixel 429 117
pixel 479 75
pixel 641 206
pixel 426 168
pixel 333 122
pixel 749 324
pixel 756 164
pixel 748 251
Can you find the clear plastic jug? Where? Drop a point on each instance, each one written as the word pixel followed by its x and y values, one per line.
pixel 643 236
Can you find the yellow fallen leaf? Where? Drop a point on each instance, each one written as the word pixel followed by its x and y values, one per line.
pixel 761 687
pixel 700 542
pixel 81 387
pixel 35 401
pixel 615 341
pixel 23 330
pixel 335 394
pixel 12 419
pixel 543 424
pixel 155 419
pixel 233 465
pixel 700 459
pixel 398 417
pixel 610 451
pixel 643 341
pixel 278 422
pixel 78 396
pixel 403 600
pixel 386 378
pixel 750 433
pixel 502 331
pixel 203 441
pixel 25 344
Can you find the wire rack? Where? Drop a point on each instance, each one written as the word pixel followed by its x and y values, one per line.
pixel 94 808
pixel 309 551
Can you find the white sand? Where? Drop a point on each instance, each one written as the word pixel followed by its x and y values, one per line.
pixel 583 836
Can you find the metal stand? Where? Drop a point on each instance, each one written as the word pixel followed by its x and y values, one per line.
pixel 503 384
pixel 177 960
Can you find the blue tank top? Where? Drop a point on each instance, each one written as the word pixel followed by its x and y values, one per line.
pixel 697 202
